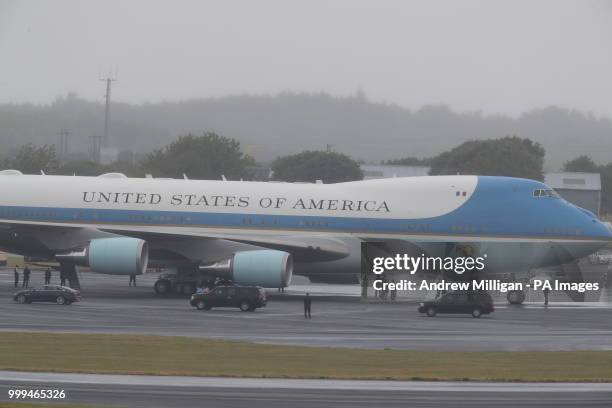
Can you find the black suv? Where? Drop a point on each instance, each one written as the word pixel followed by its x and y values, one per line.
pixel 247 298
pixel 474 303
pixel 61 295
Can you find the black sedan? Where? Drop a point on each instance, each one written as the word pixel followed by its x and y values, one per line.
pixel 474 303
pixel 50 293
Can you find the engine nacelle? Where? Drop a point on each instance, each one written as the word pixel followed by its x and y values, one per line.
pixel 266 267
pixel 113 256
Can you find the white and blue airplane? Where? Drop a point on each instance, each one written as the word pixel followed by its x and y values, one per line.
pixel 262 232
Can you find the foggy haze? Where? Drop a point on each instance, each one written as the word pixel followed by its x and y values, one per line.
pixel 491 56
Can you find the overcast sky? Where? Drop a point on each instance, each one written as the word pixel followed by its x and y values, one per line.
pixel 494 56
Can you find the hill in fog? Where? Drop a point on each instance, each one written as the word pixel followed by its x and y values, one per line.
pixel 269 126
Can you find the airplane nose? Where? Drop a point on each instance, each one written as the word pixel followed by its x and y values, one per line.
pixel 608 227
pixel 592 226
pixel 598 228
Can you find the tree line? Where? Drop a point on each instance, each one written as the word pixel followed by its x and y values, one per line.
pixel 206 156
pixel 269 126
pixel 211 156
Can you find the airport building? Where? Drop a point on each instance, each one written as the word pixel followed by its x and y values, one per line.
pixel 581 189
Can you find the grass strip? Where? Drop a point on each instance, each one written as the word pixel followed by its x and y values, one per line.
pixel 165 355
pixel 39 405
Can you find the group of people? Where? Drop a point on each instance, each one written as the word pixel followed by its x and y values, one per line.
pixel 208 285
pixel 25 282
pixel 202 289
pixel 385 292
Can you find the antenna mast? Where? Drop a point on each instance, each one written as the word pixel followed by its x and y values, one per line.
pixel 63 147
pixel 108 80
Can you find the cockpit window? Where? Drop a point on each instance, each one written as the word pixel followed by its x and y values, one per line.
pixel 545 193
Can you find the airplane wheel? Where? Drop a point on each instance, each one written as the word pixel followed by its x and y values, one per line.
pixel 162 287
pixel 431 312
pixel 476 312
pixel 515 297
pixel 21 299
pixel 60 300
pixel 244 306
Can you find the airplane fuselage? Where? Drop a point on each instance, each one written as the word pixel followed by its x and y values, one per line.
pixel 418 209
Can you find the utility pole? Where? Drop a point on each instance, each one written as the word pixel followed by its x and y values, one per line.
pixel 96 143
pixel 63 147
pixel 108 81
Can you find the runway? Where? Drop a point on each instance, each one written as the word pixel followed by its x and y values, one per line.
pixel 159 391
pixel 339 320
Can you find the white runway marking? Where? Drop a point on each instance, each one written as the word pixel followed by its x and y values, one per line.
pixel 271 383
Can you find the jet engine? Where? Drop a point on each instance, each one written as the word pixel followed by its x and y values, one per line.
pixel 113 256
pixel 267 267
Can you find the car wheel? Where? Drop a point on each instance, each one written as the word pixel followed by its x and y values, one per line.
pixel 60 300
pixel 68 302
pixel 244 306
pixel 201 305
pixel 515 297
pixel 431 311
pixel 476 312
pixel 162 287
pixel 21 299
pixel 252 309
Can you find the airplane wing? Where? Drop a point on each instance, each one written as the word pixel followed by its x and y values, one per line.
pixel 62 236
pixel 303 249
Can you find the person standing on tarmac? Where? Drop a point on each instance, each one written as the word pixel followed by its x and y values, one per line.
pixel 26 277
pixel 16 276
pixel 307 304
pixel 47 276
pixel 62 278
pixel 133 279
pixel 393 291
pixel 546 292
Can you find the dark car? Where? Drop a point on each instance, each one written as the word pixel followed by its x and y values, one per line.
pixel 474 303
pixel 61 295
pixel 247 298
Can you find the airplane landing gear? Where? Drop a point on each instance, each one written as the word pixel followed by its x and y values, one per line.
pixel 162 286
pixel 515 297
pixel 183 282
